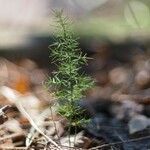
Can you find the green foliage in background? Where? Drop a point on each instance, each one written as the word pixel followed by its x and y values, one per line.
pixel 67 82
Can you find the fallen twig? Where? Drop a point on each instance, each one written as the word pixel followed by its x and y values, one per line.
pixel 14 135
pixel 117 143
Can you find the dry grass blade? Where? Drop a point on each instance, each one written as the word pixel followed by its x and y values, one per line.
pixel 22 110
pixel 32 134
pixel 14 148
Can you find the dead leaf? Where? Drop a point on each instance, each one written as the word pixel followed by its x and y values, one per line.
pixel 138 123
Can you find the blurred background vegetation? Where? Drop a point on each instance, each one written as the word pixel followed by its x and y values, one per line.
pixel 23 24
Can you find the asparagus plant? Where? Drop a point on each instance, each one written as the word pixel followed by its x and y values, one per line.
pixel 68 82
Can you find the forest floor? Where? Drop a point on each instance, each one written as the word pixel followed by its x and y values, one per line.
pixel 119 106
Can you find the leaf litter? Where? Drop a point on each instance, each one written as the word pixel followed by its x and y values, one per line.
pixel 119 110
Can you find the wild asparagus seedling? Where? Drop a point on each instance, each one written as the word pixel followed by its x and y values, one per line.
pixel 67 82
